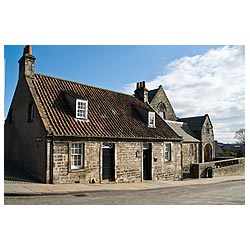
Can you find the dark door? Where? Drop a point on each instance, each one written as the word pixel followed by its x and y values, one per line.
pixel 147 162
pixel 208 153
pixel 108 164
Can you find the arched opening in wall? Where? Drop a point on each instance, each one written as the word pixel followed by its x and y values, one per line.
pixel 208 153
pixel 161 108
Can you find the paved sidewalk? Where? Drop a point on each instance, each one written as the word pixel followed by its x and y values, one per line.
pixel 32 189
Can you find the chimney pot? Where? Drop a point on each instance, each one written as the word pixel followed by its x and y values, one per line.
pixel 27 50
pixel 141 92
pixel 143 84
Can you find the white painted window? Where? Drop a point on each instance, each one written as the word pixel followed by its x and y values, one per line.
pixel 167 152
pixel 81 109
pixel 151 119
pixel 76 155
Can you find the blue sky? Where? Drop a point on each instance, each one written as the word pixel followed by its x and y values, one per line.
pixel 188 73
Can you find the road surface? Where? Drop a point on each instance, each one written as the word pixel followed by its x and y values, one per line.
pixel 228 193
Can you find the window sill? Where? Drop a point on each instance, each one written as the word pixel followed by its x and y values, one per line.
pixel 76 170
pixel 168 162
pixel 81 120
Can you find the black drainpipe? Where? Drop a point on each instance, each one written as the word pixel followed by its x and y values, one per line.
pixel 51 161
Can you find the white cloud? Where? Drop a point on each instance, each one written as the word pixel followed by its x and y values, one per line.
pixel 212 83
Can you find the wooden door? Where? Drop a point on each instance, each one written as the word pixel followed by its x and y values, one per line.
pixel 108 166
pixel 147 161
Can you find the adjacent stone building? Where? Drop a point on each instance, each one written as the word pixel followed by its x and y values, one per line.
pixel 159 101
pixel 202 129
pixel 198 129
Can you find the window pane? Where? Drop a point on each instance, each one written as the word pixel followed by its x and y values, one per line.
pixel 81 110
pixel 167 152
pixel 151 118
pixel 76 155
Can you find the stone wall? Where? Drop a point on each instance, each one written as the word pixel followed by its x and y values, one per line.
pixel 230 170
pixel 167 170
pixel 128 162
pixel 231 167
pixel 207 137
pixel 24 141
pixel 61 164
pixel 189 157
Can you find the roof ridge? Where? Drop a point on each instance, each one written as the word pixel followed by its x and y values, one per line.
pixel 191 117
pixel 85 84
pixel 153 90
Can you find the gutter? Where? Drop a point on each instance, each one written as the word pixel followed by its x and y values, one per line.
pixel 112 138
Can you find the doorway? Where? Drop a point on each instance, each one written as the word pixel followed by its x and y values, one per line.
pixel 207 153
pixel 108 163
pixel 147 161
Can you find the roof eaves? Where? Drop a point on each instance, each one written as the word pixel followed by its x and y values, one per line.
pixel 113 138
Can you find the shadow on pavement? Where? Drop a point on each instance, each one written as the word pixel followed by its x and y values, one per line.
pixel 12 172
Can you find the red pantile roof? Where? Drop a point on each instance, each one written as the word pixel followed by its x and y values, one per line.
pixel 110 114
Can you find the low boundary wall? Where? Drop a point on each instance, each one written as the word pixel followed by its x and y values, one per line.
pixel 229 167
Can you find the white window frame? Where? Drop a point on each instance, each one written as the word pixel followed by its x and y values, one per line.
pixel 151 119
pixel 83 110
pixel 167 152
pixel 74 155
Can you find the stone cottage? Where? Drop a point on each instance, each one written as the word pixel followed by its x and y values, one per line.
pixel 66 132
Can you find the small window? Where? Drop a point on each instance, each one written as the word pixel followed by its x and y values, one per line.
pixel 77 156
pixel 31 112
pixel 162 110
pixel 207 128
pixel 82 109
pixel 191 149
pixel 162 114
pixel 151 119
pixel 167 153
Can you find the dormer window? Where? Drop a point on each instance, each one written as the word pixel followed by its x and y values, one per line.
pixel 81 109
pixel 151 119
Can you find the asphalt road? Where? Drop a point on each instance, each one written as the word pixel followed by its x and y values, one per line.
pixel 224 193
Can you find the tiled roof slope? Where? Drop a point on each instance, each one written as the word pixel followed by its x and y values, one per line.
pixel 194 123
pixel 151 94
pixel 110 114
pixel 183 130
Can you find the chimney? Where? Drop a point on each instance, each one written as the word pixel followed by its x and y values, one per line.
pixel 141 92
pixel 26 63
pixel 27 50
